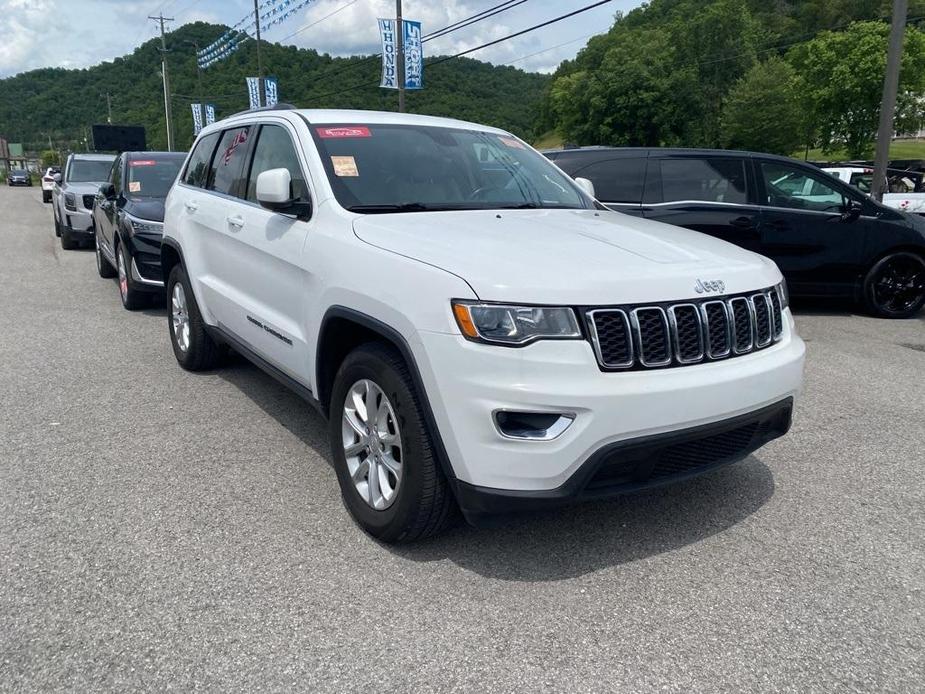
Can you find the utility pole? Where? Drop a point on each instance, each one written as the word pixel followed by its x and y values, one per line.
pixel 201 93
pixel 260 99
pixel 108 98
pixel 400 30
pixel 888 102
pixel 161 19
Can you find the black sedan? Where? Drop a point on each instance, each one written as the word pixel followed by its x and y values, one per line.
pixel 19 177
pixel 128 218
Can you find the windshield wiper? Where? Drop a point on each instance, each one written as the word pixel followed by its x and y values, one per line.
pixel 520 206
pixel 404 207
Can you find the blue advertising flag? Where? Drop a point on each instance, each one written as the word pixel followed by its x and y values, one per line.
pixel 414 55
pixel 271 87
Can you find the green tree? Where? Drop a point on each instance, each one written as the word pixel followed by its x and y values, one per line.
pixel 762 110
pixel 49 157
pixel 840 79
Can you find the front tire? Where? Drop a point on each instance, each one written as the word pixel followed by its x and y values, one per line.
pixel 389 475
pixel 895 286
pixel 132 299
pixel 192 346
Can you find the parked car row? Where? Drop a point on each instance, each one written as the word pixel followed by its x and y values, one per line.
pixel 827 237
pixel 480 332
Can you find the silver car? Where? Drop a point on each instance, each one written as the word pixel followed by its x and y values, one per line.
pixel 73 195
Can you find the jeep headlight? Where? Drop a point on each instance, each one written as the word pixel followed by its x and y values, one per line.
pixel 505 324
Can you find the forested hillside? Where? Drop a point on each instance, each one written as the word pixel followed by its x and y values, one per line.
pixel 772 76
pixel 63 103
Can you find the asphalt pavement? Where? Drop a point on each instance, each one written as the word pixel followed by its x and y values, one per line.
pixel 166 530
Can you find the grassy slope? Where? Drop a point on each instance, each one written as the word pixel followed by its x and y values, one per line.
pixel 905 149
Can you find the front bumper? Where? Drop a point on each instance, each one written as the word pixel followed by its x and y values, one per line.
pixel 78 224
pixel 18 183
pixel 145 251
pixel 468 382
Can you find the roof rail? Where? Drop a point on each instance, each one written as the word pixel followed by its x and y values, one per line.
pixel 275 107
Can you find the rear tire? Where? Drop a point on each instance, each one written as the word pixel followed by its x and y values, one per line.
pixel 895 286
pixel 103 266
pixel 46 196
pixel 194 349
pixel 421 503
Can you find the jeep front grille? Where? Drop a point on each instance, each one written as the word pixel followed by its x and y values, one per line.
pixel 684 333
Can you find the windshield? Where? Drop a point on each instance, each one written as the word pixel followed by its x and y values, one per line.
pixel 89 170
pixel 399 168
pixel 152 178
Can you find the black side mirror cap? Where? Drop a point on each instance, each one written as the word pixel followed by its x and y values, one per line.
pixel 300 209
pixel 851 210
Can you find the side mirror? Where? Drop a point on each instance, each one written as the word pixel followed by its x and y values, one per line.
pixel 108 191
pixel 586 186
pixel 274 192
pixel 57 178
pixel 851 210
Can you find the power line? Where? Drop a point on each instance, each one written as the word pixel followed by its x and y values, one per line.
pixel 478 17
pixel 309 26
pixel 519 33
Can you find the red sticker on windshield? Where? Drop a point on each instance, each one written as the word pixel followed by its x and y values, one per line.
pixel 142 162
pixel 344 131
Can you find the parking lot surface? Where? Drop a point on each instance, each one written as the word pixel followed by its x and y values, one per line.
pixel 161 529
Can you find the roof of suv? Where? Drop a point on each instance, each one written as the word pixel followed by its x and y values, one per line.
pixel 92 156
pixel 597 151
pixel 356 116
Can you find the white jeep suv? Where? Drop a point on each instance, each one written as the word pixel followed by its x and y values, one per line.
pixel 477 329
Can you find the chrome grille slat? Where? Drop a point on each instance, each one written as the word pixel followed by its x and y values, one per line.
pixel 686 332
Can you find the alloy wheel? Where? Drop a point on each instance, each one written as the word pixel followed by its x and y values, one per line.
pixel 179 317
pixel 899 285
pixel 372 444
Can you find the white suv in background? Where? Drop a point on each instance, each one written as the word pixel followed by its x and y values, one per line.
pixel 478 330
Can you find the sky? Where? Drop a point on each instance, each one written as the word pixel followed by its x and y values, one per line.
pixel 81 33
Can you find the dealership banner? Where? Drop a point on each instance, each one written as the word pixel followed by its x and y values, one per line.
pixel 253 91
pixel 197 118
pixel 271 88
pixel 389 54
pixel 414 55
pixel 210 114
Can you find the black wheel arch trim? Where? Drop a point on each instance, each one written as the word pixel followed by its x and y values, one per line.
pixel 401 344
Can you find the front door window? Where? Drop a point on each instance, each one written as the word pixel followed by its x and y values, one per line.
pixel 793 187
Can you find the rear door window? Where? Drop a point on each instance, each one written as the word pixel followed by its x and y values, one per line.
pixel 711 179
pixel 227 174
pixel 616 180
pixel 197 170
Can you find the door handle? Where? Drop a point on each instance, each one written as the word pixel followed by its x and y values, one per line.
pixel 237 221
pixel 191 206
pixel 743 223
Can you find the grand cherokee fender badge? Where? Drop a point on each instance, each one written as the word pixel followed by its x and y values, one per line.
pixel 709 286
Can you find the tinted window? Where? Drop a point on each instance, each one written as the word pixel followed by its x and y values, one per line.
pixel 714 180
pixel 89 171
pixel 384 167
pixel 227 172
pixel 274 150
pixel 151 178
pixel 616 180
pixel 198 167
pixel 790 186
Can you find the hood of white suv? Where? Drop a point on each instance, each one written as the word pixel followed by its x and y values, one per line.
pixel 577 257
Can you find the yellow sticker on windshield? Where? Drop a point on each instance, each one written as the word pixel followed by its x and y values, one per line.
pixel 134 186
pixel 345 166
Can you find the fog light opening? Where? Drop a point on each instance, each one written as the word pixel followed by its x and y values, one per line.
pixel 532 426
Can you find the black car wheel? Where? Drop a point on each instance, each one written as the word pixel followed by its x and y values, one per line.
pixel 132 299
pixel 46 196
pixel 895 286
pixel 103 266
pixel 390 479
